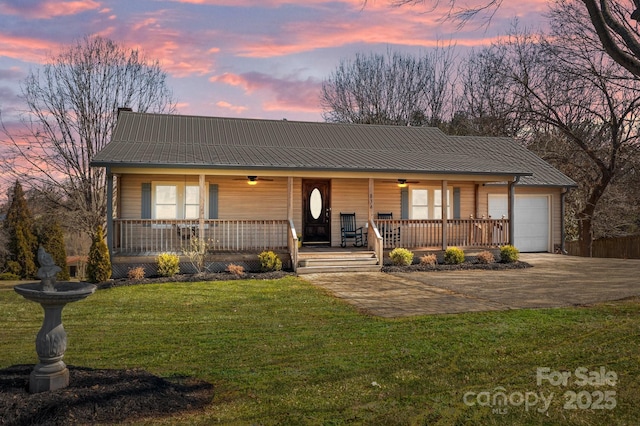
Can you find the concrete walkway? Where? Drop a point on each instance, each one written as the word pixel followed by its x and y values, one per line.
pixel 554 281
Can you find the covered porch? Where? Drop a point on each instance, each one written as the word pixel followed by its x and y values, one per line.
pixel 288 215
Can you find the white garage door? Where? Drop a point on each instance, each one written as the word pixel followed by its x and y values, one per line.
pixel 531 228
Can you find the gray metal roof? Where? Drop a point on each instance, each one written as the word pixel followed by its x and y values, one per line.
pixel 169 141
pixel 544 174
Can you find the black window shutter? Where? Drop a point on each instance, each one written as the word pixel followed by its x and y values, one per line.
pixel 213 201
pixel 456 203
pixel 404 203
pixel 146 201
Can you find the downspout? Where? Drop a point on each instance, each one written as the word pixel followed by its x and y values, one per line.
pixel 563 194
pixel 512 202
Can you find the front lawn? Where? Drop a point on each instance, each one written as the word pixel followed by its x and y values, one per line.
pixel 284 352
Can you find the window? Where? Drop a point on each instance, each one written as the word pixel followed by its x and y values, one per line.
pixel 166 202
pixel 191 202
pixel 420 204
pixel 176 201
pixel 426 203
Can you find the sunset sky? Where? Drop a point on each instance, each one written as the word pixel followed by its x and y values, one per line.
pixel 234 58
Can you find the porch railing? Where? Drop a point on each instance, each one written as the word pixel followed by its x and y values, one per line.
pixel 139 236
pixel 292 241
pixel 375 241
pixel 428 233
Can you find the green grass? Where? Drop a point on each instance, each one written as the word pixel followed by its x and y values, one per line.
pixel 284 352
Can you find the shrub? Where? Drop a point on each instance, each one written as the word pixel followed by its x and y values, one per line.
pixel 237 270
pixel 269 261
pixel 22 243
pixel 8 276
pixel 429 259
pixel 13 267
pixel 401 256
pixel 136 273
pixel 98 264
pixel 51 238
pixel 485 257
pixel 509 254
pixel 168 264
pixel 453 256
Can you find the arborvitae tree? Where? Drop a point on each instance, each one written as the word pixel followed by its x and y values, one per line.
pixel 22 241
pixel 98 264
pixel 52 239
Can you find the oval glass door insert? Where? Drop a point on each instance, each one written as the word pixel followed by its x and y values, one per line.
pixel 315 203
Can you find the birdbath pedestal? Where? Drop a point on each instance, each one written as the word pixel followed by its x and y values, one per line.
pixel 51 373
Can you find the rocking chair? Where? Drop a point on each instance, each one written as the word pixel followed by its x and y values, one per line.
pixel 348 229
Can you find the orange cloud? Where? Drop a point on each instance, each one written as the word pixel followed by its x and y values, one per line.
pixel 47 9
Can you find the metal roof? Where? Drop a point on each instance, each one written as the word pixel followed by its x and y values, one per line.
pixel 171 141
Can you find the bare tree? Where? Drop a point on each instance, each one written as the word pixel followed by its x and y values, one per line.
pixel 612 22
pixel 394 89
pixel 582 110
pixel 487 104
pixel 72 104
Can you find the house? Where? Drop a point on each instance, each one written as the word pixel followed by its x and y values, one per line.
pixel 235 187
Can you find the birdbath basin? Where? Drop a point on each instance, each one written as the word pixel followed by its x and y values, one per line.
pixel 51 373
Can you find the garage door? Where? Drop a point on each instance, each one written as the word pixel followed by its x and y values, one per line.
pixel 531 227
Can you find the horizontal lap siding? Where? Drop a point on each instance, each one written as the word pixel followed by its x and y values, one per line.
pixel 265 201
pixel 554 201
pixel 348 196
pixel 297 205
pixel 386 199
pixel 467 198
pixel 236 199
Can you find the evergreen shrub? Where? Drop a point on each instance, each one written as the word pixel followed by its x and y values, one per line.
pixel 401 256
pixel 168 264
pixel 453 256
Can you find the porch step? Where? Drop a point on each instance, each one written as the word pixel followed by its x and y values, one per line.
pixel 339 261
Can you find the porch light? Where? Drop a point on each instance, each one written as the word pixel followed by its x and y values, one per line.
pixel 402 183
pixel 253 180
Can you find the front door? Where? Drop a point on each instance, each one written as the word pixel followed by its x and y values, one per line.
pixel 316 210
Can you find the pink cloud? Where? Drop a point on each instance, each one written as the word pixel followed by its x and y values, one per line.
pixel 235 108
pixel 159 37
pixel 286 94
pixel 47 9
pixel 26 48
pixel 274 3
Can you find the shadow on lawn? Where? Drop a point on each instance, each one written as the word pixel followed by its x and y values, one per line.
pixel 98 396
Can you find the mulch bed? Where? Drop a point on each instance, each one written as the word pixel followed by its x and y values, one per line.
pixel 465 266
pixel 98 396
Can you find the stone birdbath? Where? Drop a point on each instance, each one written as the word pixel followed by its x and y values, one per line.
pixel 51 372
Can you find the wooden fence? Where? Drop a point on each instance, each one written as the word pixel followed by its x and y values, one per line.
pixel 622 247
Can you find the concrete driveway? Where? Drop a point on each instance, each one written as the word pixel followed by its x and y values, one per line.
pixel 554 281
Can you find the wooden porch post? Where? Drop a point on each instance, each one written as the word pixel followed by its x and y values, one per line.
pixel 201 213
pixel 511 207
pixel 110 212
pixel 444 202
pixel 290 198
pixel 371 206
pixel 476 212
